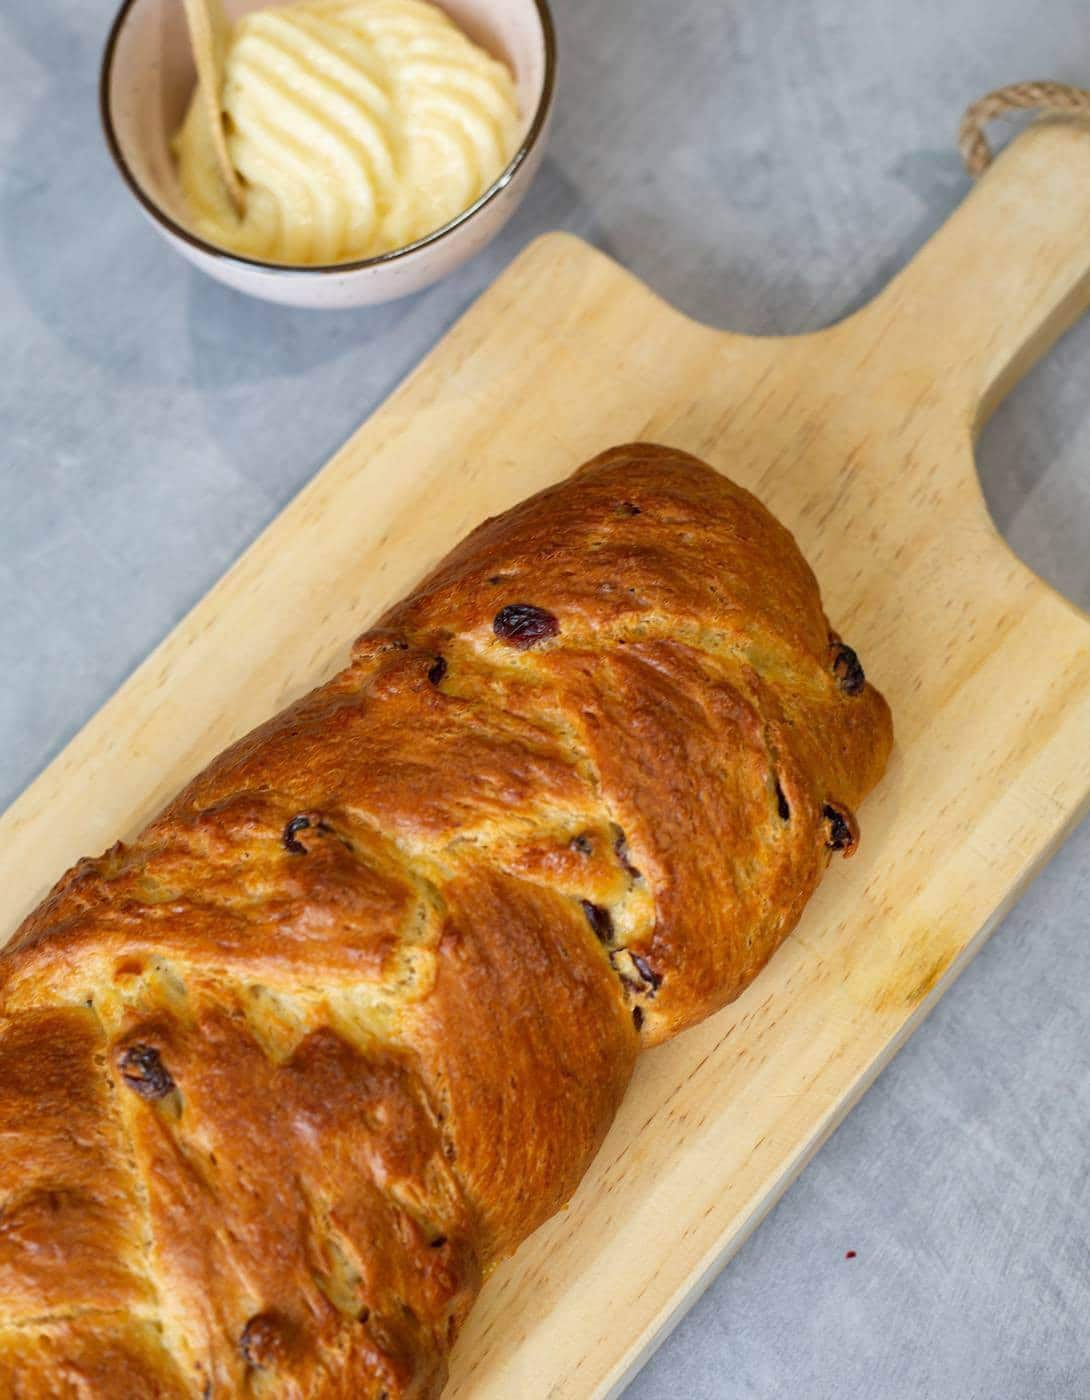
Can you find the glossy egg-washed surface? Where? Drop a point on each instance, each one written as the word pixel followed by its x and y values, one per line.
pixel 283 1078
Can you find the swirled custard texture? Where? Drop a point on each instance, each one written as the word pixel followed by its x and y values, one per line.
pixel 358 126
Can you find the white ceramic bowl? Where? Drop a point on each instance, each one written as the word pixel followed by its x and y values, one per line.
pixel 146 82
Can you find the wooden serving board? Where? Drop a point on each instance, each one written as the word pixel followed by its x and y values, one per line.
pixel 861 440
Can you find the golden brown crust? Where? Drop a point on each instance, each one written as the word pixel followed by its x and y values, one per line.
pixel 525 1045
pixel 67 1227
pixel 284 1077
pixel 92 1356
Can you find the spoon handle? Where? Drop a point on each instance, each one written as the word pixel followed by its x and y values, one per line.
pixel 208 31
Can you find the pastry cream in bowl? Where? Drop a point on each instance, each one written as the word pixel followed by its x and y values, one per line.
pixel 357 126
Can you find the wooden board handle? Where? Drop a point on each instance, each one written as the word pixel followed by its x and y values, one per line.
pixel 1002 280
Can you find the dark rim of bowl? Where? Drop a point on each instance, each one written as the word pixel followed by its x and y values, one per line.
pixel 498 185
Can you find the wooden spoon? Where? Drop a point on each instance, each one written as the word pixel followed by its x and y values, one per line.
pixel 208 34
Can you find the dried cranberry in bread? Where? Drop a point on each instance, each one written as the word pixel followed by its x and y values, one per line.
pixel 283 1077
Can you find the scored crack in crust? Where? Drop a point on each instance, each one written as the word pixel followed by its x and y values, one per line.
pixel 283 1079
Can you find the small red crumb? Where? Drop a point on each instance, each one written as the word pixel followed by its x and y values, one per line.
pixel 850 1254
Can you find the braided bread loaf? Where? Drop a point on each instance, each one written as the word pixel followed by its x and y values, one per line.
pixel 280 1080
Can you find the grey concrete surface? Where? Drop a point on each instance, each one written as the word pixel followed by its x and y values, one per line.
pixel 765 165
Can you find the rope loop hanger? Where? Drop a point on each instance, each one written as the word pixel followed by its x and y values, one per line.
pixel 1050 99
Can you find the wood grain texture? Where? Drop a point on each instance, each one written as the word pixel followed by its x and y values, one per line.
pixel 860 439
